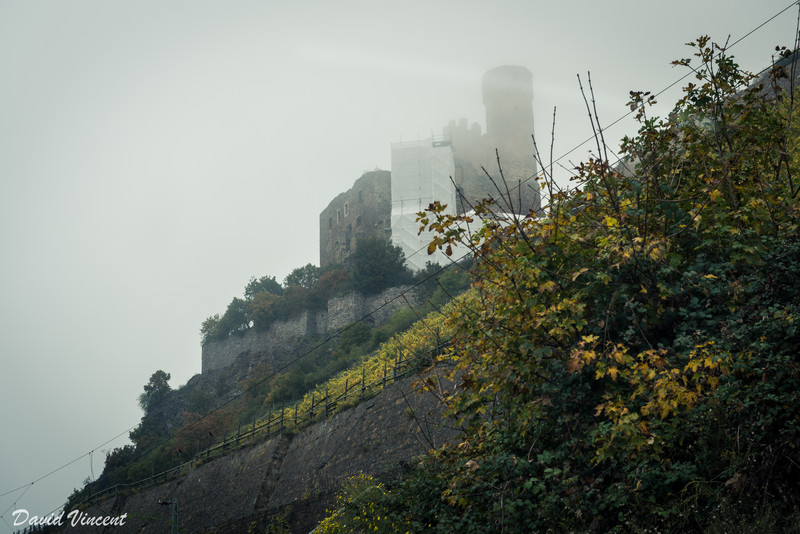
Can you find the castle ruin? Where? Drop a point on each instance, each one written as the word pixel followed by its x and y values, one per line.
pixel 448 169
pixel 360 212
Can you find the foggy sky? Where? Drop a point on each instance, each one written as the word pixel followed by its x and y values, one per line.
pixel 155 155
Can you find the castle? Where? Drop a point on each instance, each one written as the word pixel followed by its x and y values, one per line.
pixel 384 204
pixel 448 169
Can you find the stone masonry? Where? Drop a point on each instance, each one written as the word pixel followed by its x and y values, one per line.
pixel 293 477
pixel 283 338
pixel 362 211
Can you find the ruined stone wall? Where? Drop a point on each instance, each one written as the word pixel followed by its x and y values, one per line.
pixel 279 342
pixel 268 345
pixel 468 144
pixel 295 477
pixel 344 310
pixel 520 186
pixel 362 211
pixel 382 306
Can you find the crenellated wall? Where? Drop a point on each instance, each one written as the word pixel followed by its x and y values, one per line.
pixel 278 343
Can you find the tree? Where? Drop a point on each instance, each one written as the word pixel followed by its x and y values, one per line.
pixel 305 277
pixel 378 264
pixel 263 309
pixel 329 285
pixel 266 284
pixel 293 301
pixel 236 318
pixel 116 462
pixel 155 390
pixel 210 329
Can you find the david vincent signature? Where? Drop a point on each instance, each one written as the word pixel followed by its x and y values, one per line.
pixel 75 518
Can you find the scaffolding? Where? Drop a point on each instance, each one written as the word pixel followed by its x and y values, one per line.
pixel 422 172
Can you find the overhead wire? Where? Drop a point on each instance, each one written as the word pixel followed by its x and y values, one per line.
pixel 670 86
pixel 27 486
pixel 229 401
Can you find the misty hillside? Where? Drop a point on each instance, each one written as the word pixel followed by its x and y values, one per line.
pixel 180 427
pixel 627 362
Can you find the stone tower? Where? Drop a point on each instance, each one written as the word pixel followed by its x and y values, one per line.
pixel 508 97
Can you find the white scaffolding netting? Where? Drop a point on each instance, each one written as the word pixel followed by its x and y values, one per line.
pixel 421 173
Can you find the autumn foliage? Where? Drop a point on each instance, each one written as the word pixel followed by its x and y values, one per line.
pixel 629 362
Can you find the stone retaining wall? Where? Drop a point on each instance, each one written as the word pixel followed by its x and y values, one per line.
pixel 291 477
pixel 280 341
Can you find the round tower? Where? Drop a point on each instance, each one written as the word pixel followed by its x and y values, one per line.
pixel 508 97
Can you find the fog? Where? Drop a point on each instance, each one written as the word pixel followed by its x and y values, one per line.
pixel 156 155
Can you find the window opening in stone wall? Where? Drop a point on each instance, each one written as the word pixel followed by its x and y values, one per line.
pixel 330 223
pixel 338 215
pixel 358 220
pixel 346 209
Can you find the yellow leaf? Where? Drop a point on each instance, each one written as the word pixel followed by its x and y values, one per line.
pixel 576 275
pixel 613 371
pixel 600 373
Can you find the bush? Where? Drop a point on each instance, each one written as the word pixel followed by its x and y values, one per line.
pixel 629 363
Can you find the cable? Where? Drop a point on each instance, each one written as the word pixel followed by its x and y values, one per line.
pixel 17 500
pixel 392 394
pixel 68 463
pixel 676 82
pixel 287 365
pixel 282 368
pixel 776 15
pixel 330 338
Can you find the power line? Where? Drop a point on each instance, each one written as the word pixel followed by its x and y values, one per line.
pixel 229 401
pixel 673 84
pixel 437 424
pixel 27 486
pixel 54 471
